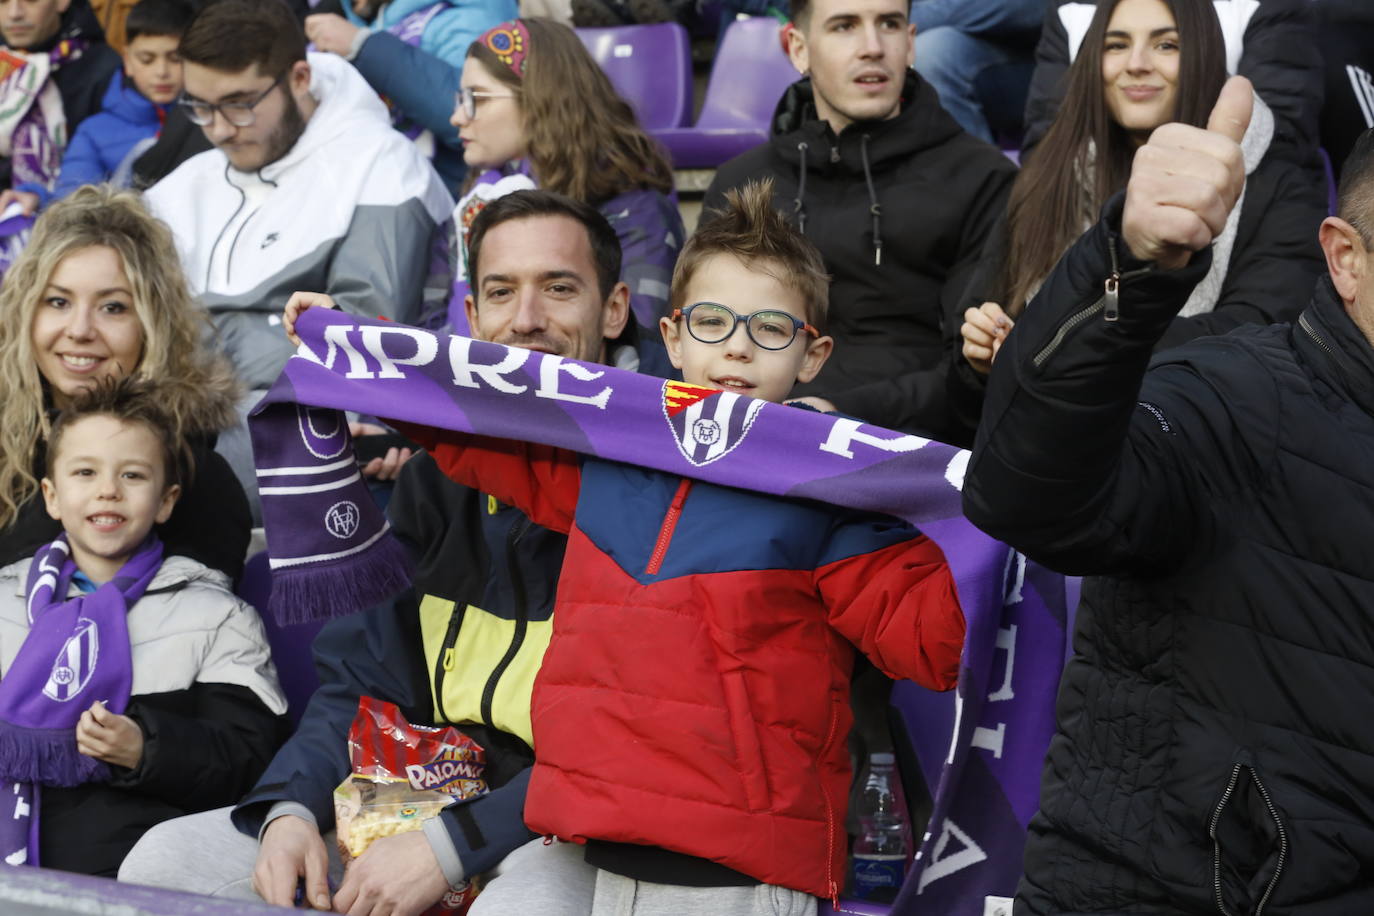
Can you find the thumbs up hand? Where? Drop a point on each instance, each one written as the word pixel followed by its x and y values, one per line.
pixel 1185 181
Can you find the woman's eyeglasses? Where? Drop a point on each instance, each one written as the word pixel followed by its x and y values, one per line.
pixel 465 100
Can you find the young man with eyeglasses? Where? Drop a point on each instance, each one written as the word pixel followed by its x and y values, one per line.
pixel 308 187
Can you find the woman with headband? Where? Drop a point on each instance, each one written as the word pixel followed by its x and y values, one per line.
pixel 534 110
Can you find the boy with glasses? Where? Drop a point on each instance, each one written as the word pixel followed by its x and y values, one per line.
pixel 691 711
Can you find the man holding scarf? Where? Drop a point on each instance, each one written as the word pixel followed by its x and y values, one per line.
pixel 547 272
pixel 54 69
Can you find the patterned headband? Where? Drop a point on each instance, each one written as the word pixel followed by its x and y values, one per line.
pixel 509 41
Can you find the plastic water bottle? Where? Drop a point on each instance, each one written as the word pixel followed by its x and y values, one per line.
pixel 884 846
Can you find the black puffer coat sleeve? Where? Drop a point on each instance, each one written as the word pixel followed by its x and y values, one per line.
pixel 1279 55
pixel 206 755
pixel 1083 463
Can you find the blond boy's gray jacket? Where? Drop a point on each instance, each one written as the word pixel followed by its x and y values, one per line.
pixel 352 210
pixel 187 628
pixel 205 697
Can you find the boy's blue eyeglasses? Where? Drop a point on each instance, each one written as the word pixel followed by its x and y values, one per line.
pixel 771 329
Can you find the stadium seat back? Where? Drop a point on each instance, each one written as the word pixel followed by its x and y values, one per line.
pixel 650 66
pixel 748 77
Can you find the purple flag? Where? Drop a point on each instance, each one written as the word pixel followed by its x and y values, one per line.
pixel 982 745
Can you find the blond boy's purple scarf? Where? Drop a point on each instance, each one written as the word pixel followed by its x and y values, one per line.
pixel 331 552
pixel 76 652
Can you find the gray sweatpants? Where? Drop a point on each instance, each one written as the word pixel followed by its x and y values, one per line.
pixel 555 880
pixel 204 854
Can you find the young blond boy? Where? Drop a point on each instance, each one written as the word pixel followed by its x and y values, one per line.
pixel 164 677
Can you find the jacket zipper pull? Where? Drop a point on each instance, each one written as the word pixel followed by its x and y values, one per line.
pixel 835 153
pixel 1111 290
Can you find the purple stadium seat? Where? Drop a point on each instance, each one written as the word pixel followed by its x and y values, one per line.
pixel 290 644
pixel 650 66
pixel 747 80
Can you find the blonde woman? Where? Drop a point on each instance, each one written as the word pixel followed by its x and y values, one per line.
pixel 534 110
pixel 99 293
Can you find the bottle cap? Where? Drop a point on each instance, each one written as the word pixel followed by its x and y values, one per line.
pixel 882 759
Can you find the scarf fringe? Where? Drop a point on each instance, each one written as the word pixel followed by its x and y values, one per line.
pixel 337 588
pixel 46 755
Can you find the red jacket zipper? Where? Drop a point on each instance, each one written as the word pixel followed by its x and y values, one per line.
pixel 665 534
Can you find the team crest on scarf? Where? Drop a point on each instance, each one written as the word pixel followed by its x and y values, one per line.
pixel 707 423
pixel 74 663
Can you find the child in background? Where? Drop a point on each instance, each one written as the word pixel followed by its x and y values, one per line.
pixel 133 687
pixel 132 111
pixel 691 713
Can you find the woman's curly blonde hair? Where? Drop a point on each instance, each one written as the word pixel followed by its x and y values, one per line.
pixel 197 385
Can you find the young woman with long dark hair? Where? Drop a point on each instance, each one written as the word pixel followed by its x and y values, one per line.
pixel 1144 63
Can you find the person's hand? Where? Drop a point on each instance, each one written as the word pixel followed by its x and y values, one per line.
pixel 388 467
pixel 330 32
pixel 396 876
pixel 292 848
pixel 109 737
pixel 1185 181
pixel 820 404
pixel 984 330
pixel 27 200
pixel 298 303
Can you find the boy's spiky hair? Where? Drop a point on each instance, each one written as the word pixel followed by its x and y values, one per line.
pixel 752 230
pixel 128 400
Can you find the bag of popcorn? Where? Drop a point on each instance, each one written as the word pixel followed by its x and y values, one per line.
pixel 402 775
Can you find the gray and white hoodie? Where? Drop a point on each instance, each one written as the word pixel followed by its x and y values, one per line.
pixel 352 211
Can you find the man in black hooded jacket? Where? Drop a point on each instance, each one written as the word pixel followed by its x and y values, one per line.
pixel 897 197
pixel 1213 747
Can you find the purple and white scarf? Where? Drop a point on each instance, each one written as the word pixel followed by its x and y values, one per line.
pixel 329 545
pixel 33 125
pixel 76 652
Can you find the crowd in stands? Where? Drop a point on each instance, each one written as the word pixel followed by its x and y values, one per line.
pixel 1148 314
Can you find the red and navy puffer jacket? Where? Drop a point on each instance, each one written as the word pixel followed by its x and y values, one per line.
pixel 695 695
